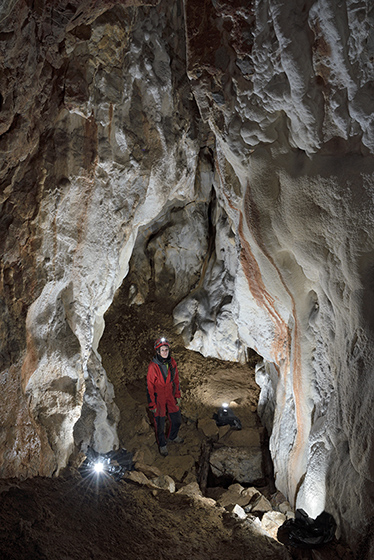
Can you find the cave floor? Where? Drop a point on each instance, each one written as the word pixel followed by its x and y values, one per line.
pixel 74 518
pixel 70 518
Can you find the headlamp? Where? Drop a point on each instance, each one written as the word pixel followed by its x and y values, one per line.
pixel 225 416
pixel 98 467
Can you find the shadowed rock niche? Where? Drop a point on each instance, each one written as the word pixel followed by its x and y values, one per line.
pixel 177 271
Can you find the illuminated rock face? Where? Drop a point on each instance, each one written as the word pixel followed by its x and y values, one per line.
pixel 287 101
pixel 237 172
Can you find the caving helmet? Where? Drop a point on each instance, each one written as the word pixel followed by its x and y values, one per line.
pixel 161 342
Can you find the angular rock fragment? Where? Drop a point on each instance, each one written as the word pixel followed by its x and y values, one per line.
pixel 193 491
pixel 271 521
pixel 208 427
pixel 148 470
pixel 164 482
pixel 239 511
pixel 261 506
pixel 237 494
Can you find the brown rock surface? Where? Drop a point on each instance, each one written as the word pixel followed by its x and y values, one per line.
pixel 237 494
pixel 56 518
pixel 271 521
pixel 238 463
pixel 249 437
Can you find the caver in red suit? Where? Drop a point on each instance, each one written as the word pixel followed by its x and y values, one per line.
pixel 164 394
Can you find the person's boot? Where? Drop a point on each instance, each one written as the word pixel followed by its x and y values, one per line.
pixel 164 450
pixel 178 439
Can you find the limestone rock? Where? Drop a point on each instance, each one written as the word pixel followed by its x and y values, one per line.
pixel 208 427
pixel 237 174
pixel 271 521
pixel 237 494
pixel 164 482
pixel 284 507
pixel 148 470
pixel 255 524
pixel 193 491
pixel 179 466
pixel 239 511
pixel 242 438
pixel 223 430
pixel 143 455
pixel 251 494
pixel 276 499
pixel 261 506
pixel 191 477
pixel 231 496
pixel 240 464
pixel 138 477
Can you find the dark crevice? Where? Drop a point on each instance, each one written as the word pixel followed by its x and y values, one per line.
pixel 204 469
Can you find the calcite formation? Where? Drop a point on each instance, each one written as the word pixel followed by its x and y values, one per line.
pixel 226 148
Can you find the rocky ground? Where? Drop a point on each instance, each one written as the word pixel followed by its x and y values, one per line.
pixel 147 514
pixel 158 511
pixel 71 518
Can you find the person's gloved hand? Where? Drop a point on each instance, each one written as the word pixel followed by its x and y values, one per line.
pixel 153 410
pixel 178 401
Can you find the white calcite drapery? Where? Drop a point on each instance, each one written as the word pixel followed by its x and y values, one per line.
pixel 242 135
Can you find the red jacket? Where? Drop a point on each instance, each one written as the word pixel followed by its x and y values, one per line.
pixel 162 394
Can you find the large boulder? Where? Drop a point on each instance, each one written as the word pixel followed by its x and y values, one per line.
pixel 239 464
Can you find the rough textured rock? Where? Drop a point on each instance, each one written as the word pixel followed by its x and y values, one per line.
pixel 227 150
pixel 237 494
pixel 193 491
pixel 271 521
pixel 242 438
pixel 92 525
pixel 209 428
pixel 239 511
pixel 261 506
pixel 243 465
pixel 164 482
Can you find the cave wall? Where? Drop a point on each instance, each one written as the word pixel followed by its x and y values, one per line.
pixel 227 148
pixel 109 150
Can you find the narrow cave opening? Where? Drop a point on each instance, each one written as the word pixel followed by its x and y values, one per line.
pixel 127 348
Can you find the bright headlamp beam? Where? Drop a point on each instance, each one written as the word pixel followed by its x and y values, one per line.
pixel 98 467
pixel 225 405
